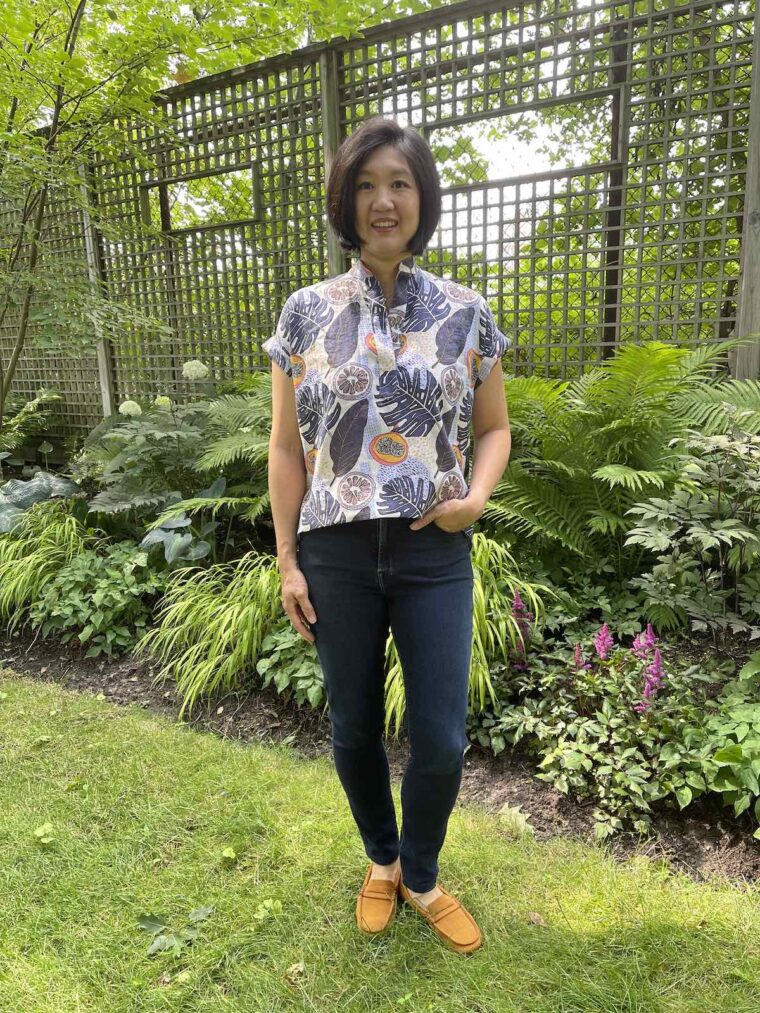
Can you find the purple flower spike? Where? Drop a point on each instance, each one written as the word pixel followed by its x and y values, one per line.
pixel 654 676
pixel 603 642
pixel 644 642
pixel 523 618
pixel 578 655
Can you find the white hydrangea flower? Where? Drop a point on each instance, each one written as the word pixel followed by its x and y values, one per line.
pixel 131 408
pixel 163 402
pixel 195 370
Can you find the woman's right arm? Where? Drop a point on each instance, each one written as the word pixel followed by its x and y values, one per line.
pixel 287 486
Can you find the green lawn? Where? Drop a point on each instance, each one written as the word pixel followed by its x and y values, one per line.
pixel 142 810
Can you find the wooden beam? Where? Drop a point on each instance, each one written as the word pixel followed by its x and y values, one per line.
pixel 748 313
pixel 328 82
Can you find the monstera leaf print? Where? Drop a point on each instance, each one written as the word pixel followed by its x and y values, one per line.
pixel 452 335
pixel 411 400
pixel 364 514
pixel 445 458
pixel 427 305
pixel 444 455
pixel 465 409
pixel 406 496
pixel 488 342
pixel 340 340
pixel 346 442
pixel 318 410
pixel 321 509
pixel 308 314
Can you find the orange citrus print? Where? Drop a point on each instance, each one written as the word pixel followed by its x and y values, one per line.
pixel 299 369
pixel 473 364
pixel 369 341
pixel 389 448
pixel 311 460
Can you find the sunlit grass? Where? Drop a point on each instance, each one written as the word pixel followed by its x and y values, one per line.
pixel 141 812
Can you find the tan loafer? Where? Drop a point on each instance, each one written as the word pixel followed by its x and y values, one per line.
pixel 376 903
pixel 449 919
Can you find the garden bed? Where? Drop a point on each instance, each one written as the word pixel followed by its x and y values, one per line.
pixel 706 841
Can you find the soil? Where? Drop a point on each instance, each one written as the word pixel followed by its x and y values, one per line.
pixel 703 841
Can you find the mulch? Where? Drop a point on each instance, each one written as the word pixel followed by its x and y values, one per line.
pixel 705 840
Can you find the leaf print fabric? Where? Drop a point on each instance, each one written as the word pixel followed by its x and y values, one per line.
pixel 384 394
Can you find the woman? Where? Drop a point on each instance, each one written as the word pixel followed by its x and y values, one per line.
pixel 380 372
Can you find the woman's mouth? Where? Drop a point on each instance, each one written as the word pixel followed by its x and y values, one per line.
pixel 384 226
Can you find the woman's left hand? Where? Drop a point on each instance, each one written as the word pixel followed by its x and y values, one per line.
pixel 451 515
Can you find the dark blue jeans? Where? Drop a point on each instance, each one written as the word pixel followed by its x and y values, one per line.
pixel 366 578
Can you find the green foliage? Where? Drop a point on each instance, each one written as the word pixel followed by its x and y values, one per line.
pixel 212 623
pixel 291 663
pixel 705 537
pixel 22 419
pixel 155 461
pixel 46 538
pixel 103 596
pixel 17 495
pixel 733 733
pixel 593 743
pixel 584 451
pixel 143 462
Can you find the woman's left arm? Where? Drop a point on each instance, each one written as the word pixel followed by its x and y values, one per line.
pixel 493 439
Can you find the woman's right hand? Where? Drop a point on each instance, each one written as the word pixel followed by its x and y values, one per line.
pixel 295 601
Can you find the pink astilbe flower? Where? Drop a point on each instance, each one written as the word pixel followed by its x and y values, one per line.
pixel 523 618
pixel 644 642
pixel 603 642
pixel 654 676
pixel 578 655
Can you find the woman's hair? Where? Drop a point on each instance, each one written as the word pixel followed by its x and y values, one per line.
pixel 349 158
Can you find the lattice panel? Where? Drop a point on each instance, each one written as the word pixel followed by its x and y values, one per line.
pixel 648 247
pixel 228 223
pixel 628 229
pixel 63 261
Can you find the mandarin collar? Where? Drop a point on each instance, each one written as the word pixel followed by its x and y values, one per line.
pixel 362 273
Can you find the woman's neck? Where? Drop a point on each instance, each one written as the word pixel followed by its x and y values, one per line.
pixel 385 271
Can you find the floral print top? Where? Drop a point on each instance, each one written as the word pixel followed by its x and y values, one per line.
pixel 384 395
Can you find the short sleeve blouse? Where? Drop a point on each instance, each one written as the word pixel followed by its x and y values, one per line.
pixel 384 395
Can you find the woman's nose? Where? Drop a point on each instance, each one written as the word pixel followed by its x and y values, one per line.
pixel 383 200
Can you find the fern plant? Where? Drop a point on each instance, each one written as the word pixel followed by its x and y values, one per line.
pixel 585 451
pixel 22 419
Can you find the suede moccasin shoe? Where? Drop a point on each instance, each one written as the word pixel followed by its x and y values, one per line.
pixel 449 919
pixel 376 903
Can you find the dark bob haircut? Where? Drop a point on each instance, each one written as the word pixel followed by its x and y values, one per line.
pixel 341 186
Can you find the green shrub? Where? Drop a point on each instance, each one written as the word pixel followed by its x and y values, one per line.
pixel 706 540
pixel 600 738
pixel 291 663
pixel 103 597
pixel 211 625
pixel 46 537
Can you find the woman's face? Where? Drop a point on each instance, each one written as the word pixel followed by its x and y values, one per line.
pixel 386 192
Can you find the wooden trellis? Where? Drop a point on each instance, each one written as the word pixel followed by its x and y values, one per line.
pixel 221 213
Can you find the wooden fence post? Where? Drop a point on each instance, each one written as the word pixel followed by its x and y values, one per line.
pixel 95 273
pixel 330 105
pixel 748 312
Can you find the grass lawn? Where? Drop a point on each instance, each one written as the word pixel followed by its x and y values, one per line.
pixel 141 812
